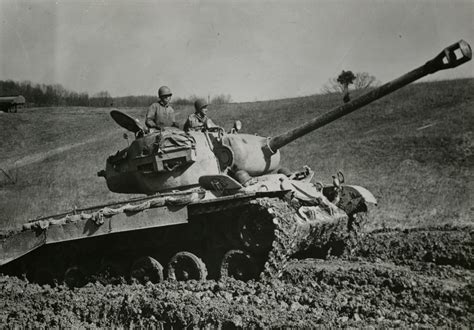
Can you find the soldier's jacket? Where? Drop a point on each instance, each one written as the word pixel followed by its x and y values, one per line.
pixel 197 122
pixel 159 116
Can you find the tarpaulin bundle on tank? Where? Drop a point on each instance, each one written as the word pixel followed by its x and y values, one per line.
pixel 172 139
pixel 98 216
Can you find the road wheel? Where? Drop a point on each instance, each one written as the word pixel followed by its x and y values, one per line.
pixel 113 268
pixel 255 231
pixel 74 277
pixel 186 266
pixel 239 265
pixel 147 269
pixel 41 275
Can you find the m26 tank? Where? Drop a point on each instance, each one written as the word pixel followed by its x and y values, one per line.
pixel 217 204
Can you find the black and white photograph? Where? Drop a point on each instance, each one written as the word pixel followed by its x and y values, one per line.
pixel 236 164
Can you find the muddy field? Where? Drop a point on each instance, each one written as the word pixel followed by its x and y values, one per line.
pixel 417 277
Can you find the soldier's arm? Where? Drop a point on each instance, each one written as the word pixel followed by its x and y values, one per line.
pixel 173 118
pixel 209 123
pixel 190 124
pixel 150 117
pixel 187 125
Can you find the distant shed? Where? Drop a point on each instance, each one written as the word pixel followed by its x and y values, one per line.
pixel 11 103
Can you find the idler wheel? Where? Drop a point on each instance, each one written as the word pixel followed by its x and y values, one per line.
pixel 147 269
pixel 74 277
pixel 255 232
pixel 239 265
pixel 112 267
pixel 186 266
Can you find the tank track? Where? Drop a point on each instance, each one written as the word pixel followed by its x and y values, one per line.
pixel 285 243
pixel 293 233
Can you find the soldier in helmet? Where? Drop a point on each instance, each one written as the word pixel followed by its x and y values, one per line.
pixel 161 114
pixel 198 121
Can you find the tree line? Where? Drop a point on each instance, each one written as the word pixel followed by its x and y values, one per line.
pixel 42 95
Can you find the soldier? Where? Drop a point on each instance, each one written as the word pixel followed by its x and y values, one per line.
pixel 198 120
pixel 161 114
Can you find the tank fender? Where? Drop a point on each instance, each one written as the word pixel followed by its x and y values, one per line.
pixel 362 192
pixel 219 182
pixel 305 190
pixel 354 199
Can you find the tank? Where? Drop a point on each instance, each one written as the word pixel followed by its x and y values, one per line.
pixel 216 204
pixel 11 103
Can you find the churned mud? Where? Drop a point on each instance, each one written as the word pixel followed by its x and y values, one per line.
pixel 418 277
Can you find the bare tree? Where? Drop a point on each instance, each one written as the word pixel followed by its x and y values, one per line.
pixel 101 99
pixel 364 80
pixel 221 99
pixel 332 86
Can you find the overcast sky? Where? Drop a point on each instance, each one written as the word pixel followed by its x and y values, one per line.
pixel 252 50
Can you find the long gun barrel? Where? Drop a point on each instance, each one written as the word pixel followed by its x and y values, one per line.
pixel 450 57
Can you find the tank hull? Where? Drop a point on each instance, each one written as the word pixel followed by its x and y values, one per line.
pixel 195 222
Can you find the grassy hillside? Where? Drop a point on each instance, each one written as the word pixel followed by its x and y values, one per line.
pixel 412 149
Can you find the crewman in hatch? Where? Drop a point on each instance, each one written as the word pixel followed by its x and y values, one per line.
pixel 161 114
pixel 199 121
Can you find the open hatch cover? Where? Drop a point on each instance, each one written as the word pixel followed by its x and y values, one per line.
pixel 125 121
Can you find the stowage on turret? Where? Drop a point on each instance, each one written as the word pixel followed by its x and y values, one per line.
pixel 216 204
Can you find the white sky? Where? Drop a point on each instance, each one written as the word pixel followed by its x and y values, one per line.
pixel 252 50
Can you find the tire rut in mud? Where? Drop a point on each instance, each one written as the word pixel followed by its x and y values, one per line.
pixel 445 245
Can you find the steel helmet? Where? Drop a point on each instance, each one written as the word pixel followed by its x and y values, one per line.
pixel 164 91
pixel 199 104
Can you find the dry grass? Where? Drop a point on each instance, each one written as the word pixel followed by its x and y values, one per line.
pixel 412 149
